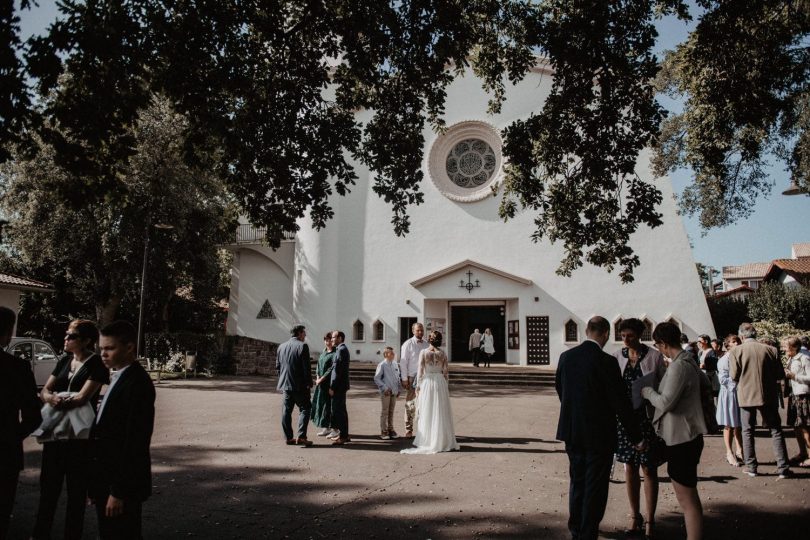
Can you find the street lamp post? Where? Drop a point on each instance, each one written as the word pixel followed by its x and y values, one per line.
pixel 149 226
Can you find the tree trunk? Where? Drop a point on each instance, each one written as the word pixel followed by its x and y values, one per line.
pixel 105 313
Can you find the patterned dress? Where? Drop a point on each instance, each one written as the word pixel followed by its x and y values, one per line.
pixel 625 451
pixel 321 402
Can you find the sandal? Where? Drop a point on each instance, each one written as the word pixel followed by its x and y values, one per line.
pixel 804 464
pixel 732 460
pixel 648 530
pixel 635 526
pixel 798 458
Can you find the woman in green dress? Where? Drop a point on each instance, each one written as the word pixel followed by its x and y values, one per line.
pixel 321 402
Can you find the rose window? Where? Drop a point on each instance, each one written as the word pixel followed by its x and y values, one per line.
pixel 471 163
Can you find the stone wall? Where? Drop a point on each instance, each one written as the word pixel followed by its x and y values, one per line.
pixel 253 356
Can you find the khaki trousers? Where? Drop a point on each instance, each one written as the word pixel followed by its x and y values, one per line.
pixel 410 405
pixel 387 414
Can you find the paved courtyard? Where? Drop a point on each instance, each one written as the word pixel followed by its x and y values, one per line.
pixel 221 470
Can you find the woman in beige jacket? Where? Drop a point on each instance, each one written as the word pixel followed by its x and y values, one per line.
pixel 679 421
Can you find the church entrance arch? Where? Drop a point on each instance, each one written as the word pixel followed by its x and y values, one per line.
pixel 464 319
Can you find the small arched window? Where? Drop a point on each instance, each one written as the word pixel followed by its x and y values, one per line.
pixel 571 331
pixel 646 335
pixel 378 331
pixel 674 321
pixel 617 335
pixel 358 331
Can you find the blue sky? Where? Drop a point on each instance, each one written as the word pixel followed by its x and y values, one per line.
pixel 777 222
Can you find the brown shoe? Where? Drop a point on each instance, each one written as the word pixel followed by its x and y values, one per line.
pixel 340 442
pixel 303 441
pixel 291 441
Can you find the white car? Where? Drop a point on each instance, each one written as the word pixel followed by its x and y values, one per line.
pixel 38 353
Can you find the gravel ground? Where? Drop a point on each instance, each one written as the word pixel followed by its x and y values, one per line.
pixel 221 470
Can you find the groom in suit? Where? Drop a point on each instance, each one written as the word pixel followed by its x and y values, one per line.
pixel 338 386
pixel 120 463
pixel 592 394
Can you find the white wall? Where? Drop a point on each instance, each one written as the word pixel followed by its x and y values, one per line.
pixel 357 267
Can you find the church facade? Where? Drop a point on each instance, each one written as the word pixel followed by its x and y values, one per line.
pixel 460 267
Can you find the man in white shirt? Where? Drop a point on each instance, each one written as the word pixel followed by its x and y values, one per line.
pixel 408 369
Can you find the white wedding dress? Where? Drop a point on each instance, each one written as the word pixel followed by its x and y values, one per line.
pixel 434 418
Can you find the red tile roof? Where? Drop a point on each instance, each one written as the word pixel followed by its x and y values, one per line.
pixel 736 290
pixel 10 281
pixel 750 270
pixel 798 269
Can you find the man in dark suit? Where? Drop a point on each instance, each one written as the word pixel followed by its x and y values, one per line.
pixel 19 416
pixel 338 386
pixel 295 380
pixel 121 466
pixel 592 394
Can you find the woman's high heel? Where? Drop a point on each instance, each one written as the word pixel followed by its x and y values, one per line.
pixel 648 530
pixel 635 526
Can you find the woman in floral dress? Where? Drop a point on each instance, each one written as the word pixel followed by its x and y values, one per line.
pixel 321 402
pixel 636 360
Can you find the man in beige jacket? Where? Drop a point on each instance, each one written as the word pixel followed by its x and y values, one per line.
pixel 756 369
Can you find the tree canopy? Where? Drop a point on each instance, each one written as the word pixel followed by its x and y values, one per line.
pixel 271 89
pixel 93 252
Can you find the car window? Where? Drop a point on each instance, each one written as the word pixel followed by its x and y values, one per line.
pixel 24 351
pixel 43 352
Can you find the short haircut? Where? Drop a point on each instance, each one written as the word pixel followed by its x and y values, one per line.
pixel 296 330
pixel 435 338
pixel 123 331
pixel 794 342
pixel 667 333
pixel 733 337
pixel 416 325
pixel 747 330
pixel 86 329
pixel 684 338
pixel 7 320
pixel 597 325
pixel 634 325
pixel 805 341
pixel 341 334
pixel 387 350
pixel 328 336
pixel 704 337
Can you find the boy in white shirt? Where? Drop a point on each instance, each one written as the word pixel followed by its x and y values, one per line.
pixel 387 379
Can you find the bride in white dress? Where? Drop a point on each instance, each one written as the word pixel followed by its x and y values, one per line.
pixel 434 417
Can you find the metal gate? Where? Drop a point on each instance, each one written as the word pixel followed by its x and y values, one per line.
pixel 537 341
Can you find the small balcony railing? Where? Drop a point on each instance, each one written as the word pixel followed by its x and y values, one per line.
pixel 248 234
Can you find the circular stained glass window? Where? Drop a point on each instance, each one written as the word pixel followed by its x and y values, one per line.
pixel 471 163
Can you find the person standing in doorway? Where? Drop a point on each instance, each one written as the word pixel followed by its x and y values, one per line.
pixel 488 346
pixel 475 347
pixel 295 380
pixel 408 369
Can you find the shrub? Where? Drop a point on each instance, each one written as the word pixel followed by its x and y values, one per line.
pixel 783 305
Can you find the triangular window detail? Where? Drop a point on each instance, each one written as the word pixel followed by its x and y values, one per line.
pixel 266 312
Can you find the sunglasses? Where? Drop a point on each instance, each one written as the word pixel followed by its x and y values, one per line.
pixel 71 337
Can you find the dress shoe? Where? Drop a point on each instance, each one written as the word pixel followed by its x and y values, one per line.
pixel 291 441
pixel 409 435
pixel 340 442
pixel 303 441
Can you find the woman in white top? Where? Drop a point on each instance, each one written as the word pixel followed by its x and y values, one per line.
pixel 488 346
pixel 798 372
pixel 434 416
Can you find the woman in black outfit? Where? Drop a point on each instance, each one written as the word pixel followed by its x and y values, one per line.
pixel 80 372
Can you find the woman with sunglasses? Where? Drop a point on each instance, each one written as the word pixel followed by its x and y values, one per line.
pixel 75 381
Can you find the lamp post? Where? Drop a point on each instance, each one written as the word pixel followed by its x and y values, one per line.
pixel 149 225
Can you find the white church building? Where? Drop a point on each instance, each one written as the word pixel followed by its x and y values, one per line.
pixel 460 267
